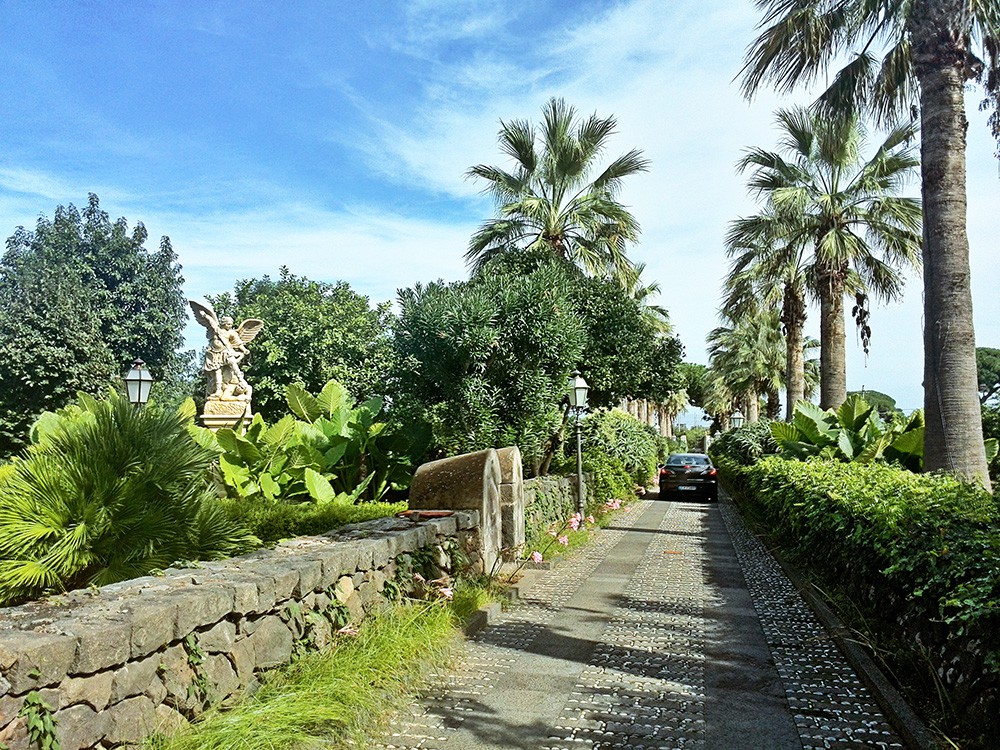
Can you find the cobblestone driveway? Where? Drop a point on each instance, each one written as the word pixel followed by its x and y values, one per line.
pixel 675 629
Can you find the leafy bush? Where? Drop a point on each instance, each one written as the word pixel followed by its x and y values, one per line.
pixel 335 452
pixel 107 493
pixel 918 554
pixel 745 445
pixel 274 521
pixel 854 432
pixel 623 437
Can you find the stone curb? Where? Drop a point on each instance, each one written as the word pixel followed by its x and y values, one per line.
pixel 906 721
pixel 482 618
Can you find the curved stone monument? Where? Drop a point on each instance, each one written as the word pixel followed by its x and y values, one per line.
pixel 511 501
pixel 467 482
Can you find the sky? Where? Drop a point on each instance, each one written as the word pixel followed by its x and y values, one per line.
pixel 334 138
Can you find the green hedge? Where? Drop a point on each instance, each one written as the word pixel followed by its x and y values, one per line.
pixel 918 554
pixel 274 521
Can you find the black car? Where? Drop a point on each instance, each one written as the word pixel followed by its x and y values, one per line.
pixel 689 474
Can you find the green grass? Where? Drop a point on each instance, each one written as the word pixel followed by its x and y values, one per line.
pixel 272 522
pixel 337 697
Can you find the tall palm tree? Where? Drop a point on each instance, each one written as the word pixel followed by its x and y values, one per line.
pixel 749 358
pixel 846 212
pixel 656 315
pixel 768 272
pixel 902 54
pixel 550 201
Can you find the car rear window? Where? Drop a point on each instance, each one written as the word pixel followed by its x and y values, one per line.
pixel 685 460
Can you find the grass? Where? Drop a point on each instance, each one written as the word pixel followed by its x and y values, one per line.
pixel 334 698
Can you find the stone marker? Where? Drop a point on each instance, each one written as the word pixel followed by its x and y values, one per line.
pixel 511 501
pixel 467 482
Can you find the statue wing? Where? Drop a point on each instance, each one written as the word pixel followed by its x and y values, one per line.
pixel 204 314
pixel 249 329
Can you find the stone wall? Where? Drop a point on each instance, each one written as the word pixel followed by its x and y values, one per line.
pixel 121 662
pixel 548 500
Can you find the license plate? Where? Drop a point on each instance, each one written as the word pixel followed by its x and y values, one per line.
pixel 686 487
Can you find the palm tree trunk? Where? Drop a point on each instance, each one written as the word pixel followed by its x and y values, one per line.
pixel 833 342
pixel 773 404
pixel 953 437
pixel 752 403
pixel 793 315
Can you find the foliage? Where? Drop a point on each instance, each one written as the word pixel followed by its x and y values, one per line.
pixel 884 404
pixel 80 298
pixel 623 437
pixel 853 432
pixel 107 493
pixel 274 521
pixel 362 679
pixel 919 553
pixel 40 722
pixel 745 445
pixel 550 202
pixel 991 431
pixel 335 452
pixel 988 373
pixel 694 379
pixel 485 362
pixel 313 332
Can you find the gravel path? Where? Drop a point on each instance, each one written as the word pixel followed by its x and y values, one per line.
pixel 674 629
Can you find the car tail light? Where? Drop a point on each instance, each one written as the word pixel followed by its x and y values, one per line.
pixel 712 472
pixel 666 473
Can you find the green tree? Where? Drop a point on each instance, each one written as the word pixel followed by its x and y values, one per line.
pixel 749 358
pixel 988 373
pixel 827 200
pixel 80 298
pixel 550 201
pixel 902 55
pixel 313 332
pixel 485 362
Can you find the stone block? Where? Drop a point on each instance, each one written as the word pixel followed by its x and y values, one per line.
pixel 355 607
pixel 103 644
pixel 219 639
pixel 14 736
pixel 29 660
pixel 467 520
pixel 135 678
pixel 178 676
pixel 221 677
pixel 167 721
pixel 94 690
pixel 272 643
pixel 4 686
pixel 81 726
pixel 381 552
pixel 244 661
pixel 199 606
pixel 153 622
pixel 156 691
pixel 344 589
pixel 130 721
pixel 9 706
pixel 447 526
pixel 310 575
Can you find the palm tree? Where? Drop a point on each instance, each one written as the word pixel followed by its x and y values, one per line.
pixel 749 358
pixel 902 47
pixel 549 200
pixel 767 273
pixel 843 210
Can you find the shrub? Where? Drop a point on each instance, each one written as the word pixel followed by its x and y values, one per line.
pixel 624 438
pixel 274 521
pixel 745 445
pixel 918 554
pixel 107 493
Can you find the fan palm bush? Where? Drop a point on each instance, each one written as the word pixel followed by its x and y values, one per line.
pixel 106 493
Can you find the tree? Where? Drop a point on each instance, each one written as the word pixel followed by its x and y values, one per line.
pixel 749 357
pixel 485 362
pixel 314 332
pixel 988 373
pixel 828 201
pixel 80 298
pixel 549 200
pixel 902 51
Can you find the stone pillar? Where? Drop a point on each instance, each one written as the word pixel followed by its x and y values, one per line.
pixel 467 482
pixel 511 501
pixel 221 413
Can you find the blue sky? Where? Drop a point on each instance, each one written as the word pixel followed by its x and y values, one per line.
pixel 334 138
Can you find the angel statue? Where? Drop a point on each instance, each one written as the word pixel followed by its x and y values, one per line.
pixel 226 349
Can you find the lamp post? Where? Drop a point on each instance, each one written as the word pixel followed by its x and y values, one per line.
pixel 578 389
pixel 736 420
pixel 138 381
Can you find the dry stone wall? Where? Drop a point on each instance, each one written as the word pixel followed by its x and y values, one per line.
pixel 119 663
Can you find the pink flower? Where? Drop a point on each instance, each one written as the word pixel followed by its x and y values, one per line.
pixel 563 540
pixel 536 556
pixel 446 592
pixel 590 519
pixel 574 523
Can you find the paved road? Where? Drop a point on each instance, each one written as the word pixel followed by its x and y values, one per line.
pixel 675 629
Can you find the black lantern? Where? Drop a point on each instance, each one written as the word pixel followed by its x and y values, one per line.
pixel 138 381
pixel 737 419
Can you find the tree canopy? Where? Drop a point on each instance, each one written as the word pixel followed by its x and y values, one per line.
pixel 988 370
pixel 314 332
pixel 80 298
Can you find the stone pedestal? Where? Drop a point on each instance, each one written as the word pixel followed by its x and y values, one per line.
pixel 467 482
pixel 511 501
pixel 221 413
